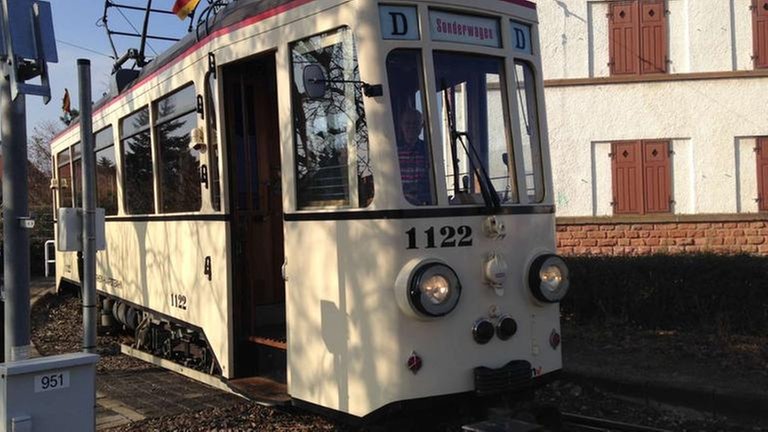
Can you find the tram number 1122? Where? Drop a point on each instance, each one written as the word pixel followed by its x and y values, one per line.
pixel 451 237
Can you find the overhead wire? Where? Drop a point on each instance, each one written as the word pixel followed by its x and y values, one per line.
pixel 84 48
pixel 135 29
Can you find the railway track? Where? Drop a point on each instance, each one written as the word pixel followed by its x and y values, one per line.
pixel 578 423
pixel 569 423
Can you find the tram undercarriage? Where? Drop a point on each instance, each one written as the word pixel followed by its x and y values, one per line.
pixel 157 338
pixel 159 335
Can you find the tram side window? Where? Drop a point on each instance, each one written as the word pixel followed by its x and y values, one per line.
pixel 332 161
pixel 77 174
pixel 180 164
pixel 212 100
pixel 64 175
pixel 136 146
pixel 106 171
pixel 405 73
pixel 529 129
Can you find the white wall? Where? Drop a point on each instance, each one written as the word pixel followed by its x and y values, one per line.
pixel 711 122
pixel 704 36
pixel 713 166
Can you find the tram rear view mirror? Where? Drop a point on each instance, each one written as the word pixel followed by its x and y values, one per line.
pixel 314 81
pixel 505 159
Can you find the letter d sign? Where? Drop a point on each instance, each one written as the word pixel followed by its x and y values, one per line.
pixel 522 35
pixel 399 22
pixel 520 38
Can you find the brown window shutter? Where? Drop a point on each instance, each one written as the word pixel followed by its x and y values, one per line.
pixel 627 170
pixel 653 37
pixel 623 24
pixel 762 173
pixel 656 178
pixel 760 32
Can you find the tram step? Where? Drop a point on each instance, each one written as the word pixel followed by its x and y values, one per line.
pixel 269 341
pixel 266 357
pixel 262 390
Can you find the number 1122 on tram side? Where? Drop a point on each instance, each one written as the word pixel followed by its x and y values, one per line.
pixel 341 203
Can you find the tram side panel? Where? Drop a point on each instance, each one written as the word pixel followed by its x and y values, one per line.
pixel 160 266
pixel 348 340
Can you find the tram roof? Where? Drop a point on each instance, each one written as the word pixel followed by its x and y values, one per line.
pixel 237 12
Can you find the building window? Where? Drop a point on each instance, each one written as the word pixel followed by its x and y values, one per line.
pixel 641 177
pixel 333 167
pixel 139 187
pixel 106 171
pixel 180 164
pixel 761 151
pixel 637 37
pixel 760 32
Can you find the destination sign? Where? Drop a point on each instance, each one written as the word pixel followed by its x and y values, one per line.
pixel 467 29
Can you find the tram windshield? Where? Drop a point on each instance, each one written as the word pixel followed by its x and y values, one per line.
pixel 470 96
pixel 472 135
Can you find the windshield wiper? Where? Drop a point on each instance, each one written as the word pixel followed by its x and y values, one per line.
pixel 490 197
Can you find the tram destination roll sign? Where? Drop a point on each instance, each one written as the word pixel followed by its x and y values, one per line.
pixel 467 29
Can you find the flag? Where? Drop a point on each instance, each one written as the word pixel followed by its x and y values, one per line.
pixel 182 8
pixel 65 103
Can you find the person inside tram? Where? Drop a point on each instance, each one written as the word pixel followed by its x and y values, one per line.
pixel 414 158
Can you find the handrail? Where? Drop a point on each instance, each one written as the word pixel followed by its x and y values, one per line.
pixel 47 257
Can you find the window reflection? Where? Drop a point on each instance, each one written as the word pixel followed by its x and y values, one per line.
pixel 180 164
pixel 331 134
pixel 106 172
pixel 137 156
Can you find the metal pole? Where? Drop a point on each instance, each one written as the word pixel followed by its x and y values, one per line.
pixel 143 43
pixel 15 211
pixel 89 207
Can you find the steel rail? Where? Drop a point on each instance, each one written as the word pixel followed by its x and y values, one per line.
pixel 600 424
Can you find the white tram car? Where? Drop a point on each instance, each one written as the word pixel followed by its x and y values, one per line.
pixel 343 203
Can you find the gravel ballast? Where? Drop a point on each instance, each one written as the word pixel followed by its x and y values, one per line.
pixel 57 328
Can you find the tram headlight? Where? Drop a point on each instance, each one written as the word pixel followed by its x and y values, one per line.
pixel 549 278
pixel 434 290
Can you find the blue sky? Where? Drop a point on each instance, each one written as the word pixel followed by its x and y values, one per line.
pixel 75 25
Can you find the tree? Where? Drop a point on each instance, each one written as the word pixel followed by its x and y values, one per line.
pixel 39 145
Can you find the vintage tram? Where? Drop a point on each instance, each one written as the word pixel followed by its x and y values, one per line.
pixel 341 203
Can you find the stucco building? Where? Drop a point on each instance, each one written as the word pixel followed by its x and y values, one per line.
pixel 657 111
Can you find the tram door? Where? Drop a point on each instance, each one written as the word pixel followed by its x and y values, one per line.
pixel 250 90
